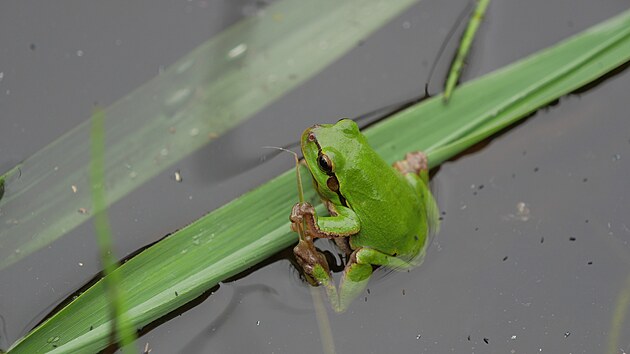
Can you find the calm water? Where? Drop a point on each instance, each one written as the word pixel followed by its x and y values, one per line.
pixel 533 255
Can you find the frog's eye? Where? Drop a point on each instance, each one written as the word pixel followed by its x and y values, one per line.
pixel 325 164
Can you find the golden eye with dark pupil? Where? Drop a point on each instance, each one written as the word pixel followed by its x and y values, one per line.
pixel 325 164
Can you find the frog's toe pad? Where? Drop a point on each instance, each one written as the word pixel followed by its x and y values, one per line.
pixel 414 162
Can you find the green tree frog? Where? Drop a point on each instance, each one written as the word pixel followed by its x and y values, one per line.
pixel 380 215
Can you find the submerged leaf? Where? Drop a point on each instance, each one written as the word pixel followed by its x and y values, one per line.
pixel 212 89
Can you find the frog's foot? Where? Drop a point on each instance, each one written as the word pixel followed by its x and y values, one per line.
pixel 312 262
pixel 415 162
pixel 298 214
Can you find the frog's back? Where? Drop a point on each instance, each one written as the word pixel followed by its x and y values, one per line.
pixel 391 213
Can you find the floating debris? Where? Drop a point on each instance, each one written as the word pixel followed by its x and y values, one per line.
pixel 74 188
pixel 178 176
pixel 522 212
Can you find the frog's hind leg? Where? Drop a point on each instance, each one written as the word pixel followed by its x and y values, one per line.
pixel 357 274
pixel 415 163
pixel 415 168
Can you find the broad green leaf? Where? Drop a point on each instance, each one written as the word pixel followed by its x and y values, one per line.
pixel 255 225
pixel 207 92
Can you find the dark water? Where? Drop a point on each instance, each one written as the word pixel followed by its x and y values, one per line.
pixel 533 255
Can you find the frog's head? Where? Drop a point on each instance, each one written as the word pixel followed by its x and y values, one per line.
pixel 327 149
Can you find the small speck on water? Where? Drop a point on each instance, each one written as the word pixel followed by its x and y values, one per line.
pixel 83 211
pixel 616 157
pixel 418 337
pixel 536 169
pixel 468 337
pixel 368 291
pixel 505 258
pixel 571 238
pixel 486 340
pixel 584 180
pixel 542 239
pixel 513 337
pixel 365 299
pixel 590 263
pixel 74 188
pixel 567 334
pixel 257 323
pixel 91 328
pixel 80 53
pixel 178 176
pixel 403 292
pixel 176 294
pixel 32 46
pixel 476 229
pixel 80 264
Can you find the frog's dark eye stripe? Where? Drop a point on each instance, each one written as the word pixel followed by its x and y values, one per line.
pixel 325 164
pixel 333 184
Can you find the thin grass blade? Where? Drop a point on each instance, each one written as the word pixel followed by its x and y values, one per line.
pixel 464 47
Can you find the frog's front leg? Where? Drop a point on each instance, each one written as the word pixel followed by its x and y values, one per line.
pixel 342 222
